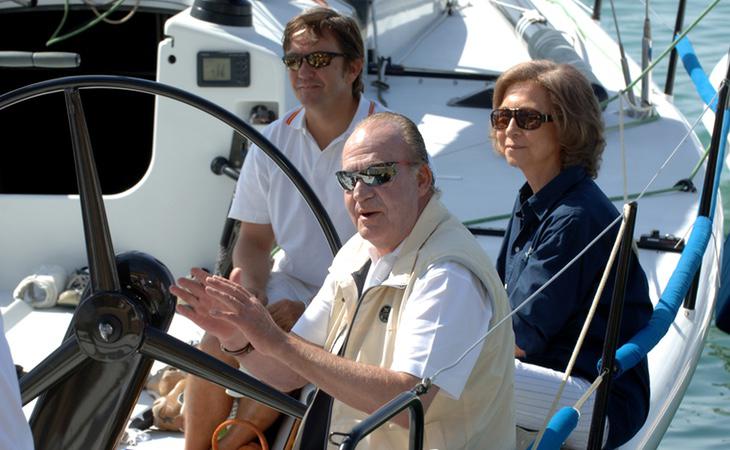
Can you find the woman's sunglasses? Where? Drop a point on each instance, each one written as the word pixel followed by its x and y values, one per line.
pixel 315 60
pixel 375 175
pixel 527 119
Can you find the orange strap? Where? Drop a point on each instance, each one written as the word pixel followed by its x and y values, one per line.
pixel 246 423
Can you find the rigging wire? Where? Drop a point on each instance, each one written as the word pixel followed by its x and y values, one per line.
pixel 655 15
pixel 624 62
pixel 622 146
pixel 666 51
pixel 528 299
pixel 676 149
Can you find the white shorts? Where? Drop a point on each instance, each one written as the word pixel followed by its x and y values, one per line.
pixel 535 390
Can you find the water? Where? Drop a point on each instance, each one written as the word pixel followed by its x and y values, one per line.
pixel 703 419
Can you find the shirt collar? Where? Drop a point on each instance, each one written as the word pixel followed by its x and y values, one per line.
pixel 381 266
pixel 541 203
pixel 363 106
pixel 297 122
pixel 388 258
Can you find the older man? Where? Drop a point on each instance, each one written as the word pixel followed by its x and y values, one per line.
pixel 404 298
pixel 323 56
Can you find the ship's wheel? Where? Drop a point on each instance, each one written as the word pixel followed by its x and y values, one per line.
pixel 89 385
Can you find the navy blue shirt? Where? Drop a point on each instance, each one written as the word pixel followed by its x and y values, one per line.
pixel 546 231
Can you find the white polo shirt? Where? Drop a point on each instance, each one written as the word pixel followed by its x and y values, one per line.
pixel 447 311
pixel 264 195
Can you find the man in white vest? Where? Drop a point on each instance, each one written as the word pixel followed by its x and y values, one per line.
pixel 405 297
pixel 323 55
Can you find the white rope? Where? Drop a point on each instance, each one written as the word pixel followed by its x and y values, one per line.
pixel 586 324
pixel 592 388
pixel 578 405
pixel 527 18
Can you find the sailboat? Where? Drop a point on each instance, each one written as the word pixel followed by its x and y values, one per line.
pixel 124 125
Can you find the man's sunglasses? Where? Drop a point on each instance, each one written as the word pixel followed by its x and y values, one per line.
pixel 375 175
pixel 316 60
pixel 527 119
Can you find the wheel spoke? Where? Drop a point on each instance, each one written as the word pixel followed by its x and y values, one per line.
pixel 165 348
pixel 99 249
pixel 51 370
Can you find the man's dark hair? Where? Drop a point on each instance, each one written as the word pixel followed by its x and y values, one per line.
pixel 345 30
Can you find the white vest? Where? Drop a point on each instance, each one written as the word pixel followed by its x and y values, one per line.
pixel 483 417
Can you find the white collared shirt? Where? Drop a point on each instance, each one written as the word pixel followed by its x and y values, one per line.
pixel 447 311
pixel 265 195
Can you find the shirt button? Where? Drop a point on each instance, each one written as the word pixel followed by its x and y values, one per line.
pixel 517 249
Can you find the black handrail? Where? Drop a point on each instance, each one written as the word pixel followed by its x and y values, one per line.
pixel 405 400
pixel 672 68
pixel 709 184
pixel 613 328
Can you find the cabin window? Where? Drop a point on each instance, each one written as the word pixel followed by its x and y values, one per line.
pixel 36 147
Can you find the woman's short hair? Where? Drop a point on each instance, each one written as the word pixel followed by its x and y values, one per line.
pixel 575 109
pixel 344 29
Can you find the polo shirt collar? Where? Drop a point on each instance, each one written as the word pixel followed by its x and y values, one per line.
pixel 298 121
pixel 541 203
pixel 363 107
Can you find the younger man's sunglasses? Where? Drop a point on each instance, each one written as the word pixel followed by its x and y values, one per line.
pixel 375 175
pixel 315 60
pixel 527 119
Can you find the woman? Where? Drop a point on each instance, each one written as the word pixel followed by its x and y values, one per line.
pixel 547 123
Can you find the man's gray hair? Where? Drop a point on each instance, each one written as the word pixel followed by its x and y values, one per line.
pixel 409 134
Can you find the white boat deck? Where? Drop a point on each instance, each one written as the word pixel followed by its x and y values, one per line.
pixel 474 180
